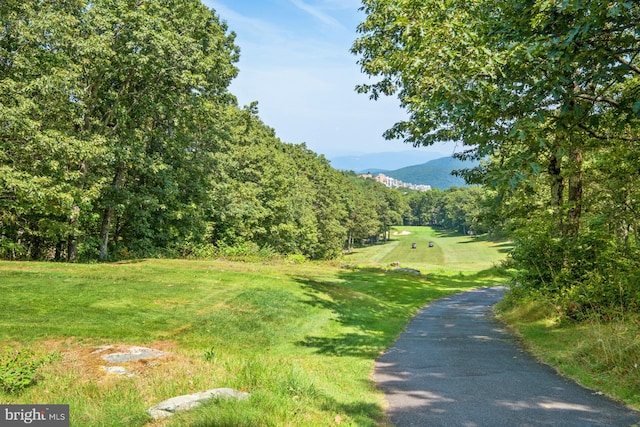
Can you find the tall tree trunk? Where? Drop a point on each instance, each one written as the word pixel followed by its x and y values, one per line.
pixel 36 248
pixel 107 216
pixel 557 186
pixel 72 239
pixel 574 197
pixel 58 253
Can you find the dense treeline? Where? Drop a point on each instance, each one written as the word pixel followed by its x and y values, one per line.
pixel 461 209
pixel 120 138
pixel 549 92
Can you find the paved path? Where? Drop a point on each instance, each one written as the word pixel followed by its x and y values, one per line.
pixel 457 366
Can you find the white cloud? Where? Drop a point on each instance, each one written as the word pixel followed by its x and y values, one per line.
pixel 318 14
pixel 251 28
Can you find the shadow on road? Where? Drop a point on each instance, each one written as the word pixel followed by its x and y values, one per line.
pixel 455 365
pixel 376 304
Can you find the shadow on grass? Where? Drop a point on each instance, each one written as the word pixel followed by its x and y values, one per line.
pixel 448 233
pixel 497 242
pixel 236 414
pixel 504 247
pixel 373 306
pixel 129 261
pixel 358 413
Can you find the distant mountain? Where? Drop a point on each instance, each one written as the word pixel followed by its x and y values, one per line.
pixel 374 171
pixel 382 161
pixel 436 173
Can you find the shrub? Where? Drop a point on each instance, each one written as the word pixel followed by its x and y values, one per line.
pixel 19 369
pixel 587 276
pixel 296 259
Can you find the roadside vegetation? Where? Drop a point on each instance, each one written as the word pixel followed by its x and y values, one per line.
pixel 550 108
pixel 601 355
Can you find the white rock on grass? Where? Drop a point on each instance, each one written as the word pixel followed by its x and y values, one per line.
pixel 169 407
pixel 118 370
pixel 132 353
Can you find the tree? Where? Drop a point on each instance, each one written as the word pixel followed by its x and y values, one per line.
pixel 546 90
pixel 362 220
pixel 44 183
pixel 275 195
pixel 458 208
pixel 372 210
pixel 166 61
pixel 515 80
pixel 108 98
pixel 327 193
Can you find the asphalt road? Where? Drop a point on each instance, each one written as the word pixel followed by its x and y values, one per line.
pixel 456 365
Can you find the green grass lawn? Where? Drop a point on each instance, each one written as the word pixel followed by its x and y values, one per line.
pixel 451 252
pixel 300 338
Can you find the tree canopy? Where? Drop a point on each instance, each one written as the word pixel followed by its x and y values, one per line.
pixel 549 92
pixel 119 138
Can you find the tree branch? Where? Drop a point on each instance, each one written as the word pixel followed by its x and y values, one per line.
pixel 593 134
pixel 592 98
pixel 635 68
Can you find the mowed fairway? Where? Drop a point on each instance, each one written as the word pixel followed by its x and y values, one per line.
pixel 451 253
pixel 300 338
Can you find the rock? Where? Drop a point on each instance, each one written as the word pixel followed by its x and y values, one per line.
pixel 132 353
pixel 168 407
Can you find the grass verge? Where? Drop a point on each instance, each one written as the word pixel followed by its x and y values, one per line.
pixel 601 356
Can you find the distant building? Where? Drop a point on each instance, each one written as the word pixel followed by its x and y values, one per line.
pixel 395 183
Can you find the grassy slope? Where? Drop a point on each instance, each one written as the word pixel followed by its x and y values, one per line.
pixel 600 356
pixel 300 338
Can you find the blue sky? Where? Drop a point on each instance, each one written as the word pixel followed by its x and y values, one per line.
pixel 295 62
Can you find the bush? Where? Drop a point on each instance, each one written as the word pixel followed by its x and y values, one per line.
pixel 296 259
pixel 588 276
pixel 19 369
pixel 607 291
pixel 243 251
pixel 537 258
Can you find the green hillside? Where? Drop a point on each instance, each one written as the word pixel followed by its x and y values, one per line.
pixel 436 173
